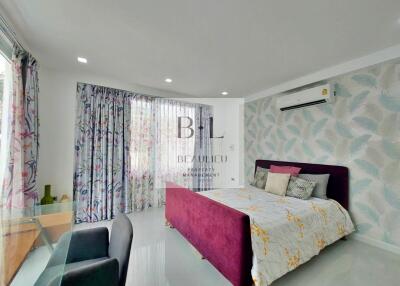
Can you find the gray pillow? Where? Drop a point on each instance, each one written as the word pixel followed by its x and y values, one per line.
pixel 260 178
pixel 320 187
pixel 300 188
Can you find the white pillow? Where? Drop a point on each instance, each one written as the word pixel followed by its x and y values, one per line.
pixel 277 183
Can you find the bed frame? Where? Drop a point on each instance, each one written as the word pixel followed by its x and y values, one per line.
pixel 222 234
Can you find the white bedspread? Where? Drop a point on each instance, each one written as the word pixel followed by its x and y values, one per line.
pixel 285 231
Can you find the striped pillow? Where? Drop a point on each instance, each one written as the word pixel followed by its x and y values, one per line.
pixel 300 188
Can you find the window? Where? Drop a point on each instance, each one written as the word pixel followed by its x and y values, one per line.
pixel 174 155
pixel 2 75
pixel 155 147
pixel 5 80
pixel 5 88
pixel 1 90
pixel 157 154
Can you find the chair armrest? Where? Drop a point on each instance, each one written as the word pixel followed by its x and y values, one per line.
pixel 102 273
pixel 81 245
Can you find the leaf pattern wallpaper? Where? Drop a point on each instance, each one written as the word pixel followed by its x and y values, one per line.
pixel 360 130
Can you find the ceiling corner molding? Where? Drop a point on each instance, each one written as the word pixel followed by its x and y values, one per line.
pixel 328 73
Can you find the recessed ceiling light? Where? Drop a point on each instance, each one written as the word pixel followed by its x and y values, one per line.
pixel 82 60
pixel 224 93
pixel 168 80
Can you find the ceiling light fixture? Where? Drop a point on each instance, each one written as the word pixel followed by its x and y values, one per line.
pixel 168 80
pixel 224 93
pixel 82 60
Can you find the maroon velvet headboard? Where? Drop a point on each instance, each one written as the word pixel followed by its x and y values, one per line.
pixel 338 185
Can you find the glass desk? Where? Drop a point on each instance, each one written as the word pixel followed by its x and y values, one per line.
pixel 30 230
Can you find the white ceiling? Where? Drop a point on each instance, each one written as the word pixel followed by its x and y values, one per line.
pixel 205 46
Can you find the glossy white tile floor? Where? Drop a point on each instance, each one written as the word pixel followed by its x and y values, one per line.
pixel 161 256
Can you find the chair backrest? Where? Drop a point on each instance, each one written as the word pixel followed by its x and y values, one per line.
pixel 120 244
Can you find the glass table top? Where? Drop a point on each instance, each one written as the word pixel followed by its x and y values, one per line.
pixel 25 232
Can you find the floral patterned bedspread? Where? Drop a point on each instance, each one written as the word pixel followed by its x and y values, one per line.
pixel 285 232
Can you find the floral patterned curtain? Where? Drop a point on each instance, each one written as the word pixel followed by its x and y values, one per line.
pixel 102 167
pixel 19 188
pixel 127 147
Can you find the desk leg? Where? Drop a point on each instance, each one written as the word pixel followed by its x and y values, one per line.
pixel 44 236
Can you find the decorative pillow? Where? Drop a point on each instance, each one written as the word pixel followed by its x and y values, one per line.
pixel 260 178
pixel 321 184
pixel 300 188
pixel 294 171
pixel 277 183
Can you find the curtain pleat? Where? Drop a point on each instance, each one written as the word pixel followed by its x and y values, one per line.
pixel 174 154
pixel 203 151
pixel 142 153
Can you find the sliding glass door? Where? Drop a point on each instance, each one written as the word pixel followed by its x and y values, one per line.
pixel 5 108
pixel 157 151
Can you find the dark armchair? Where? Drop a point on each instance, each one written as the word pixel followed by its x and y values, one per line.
pixel 91 257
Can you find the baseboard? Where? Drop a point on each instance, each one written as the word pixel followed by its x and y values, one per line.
pixel 377 243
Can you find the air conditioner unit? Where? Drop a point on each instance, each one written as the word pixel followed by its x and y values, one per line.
pixel 311 96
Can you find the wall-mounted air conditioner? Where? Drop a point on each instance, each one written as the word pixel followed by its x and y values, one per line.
pixel 311 96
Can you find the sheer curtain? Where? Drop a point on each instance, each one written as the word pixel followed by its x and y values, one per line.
pixel 173 154
pixel 203 165
pixel 142 153
pixel 158 154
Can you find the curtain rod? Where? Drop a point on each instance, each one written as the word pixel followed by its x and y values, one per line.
pixel 143 94
pixel 133 92
pixel 9 33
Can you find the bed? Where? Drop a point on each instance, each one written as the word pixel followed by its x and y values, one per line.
pixel 253 237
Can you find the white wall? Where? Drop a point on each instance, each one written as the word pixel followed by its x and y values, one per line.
pixel 57 118
pixel 229 122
